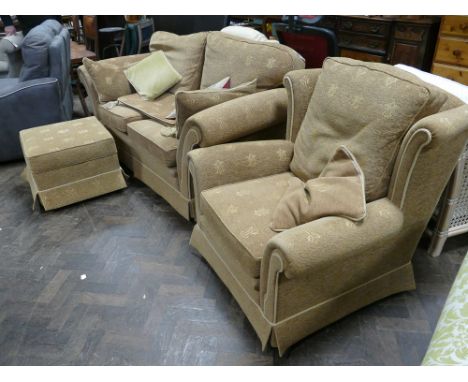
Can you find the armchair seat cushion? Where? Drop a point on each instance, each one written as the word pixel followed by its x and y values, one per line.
pixel 157 109
pixel 240 215
pixel 147 134
pixel 118 117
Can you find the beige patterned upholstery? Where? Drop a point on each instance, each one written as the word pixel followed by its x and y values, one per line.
pixel 118 117
pixel 204 119
pixel 70 161
pixel 147 134
pixel 293 283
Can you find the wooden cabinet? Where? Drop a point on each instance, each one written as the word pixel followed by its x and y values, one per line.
pixel 389 39
pixel 451 56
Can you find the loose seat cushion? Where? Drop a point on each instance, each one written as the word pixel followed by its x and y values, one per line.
pixel 118 117
pixel 185 53
pixel 147 134
pixel 240 214
pixel 368 107
pixel 157 109
pixel 243 60
pixel 65 144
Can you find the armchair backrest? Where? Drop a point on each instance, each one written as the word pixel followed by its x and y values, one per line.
pixel 244 60
pixel 366 106
pixel 46 53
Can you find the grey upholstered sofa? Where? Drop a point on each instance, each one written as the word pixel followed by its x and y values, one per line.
pixel 42 92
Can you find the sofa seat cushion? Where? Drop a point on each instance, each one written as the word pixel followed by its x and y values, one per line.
pixel 147 133
pixel 185 53
pixel 241 213
pixel 157 109
pixel 243 60
pixel 368 107
pixel 118 117
pixel 63 144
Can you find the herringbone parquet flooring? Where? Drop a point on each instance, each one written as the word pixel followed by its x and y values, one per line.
pixel 148 300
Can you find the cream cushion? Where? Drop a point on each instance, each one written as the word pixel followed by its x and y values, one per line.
pixel 368 107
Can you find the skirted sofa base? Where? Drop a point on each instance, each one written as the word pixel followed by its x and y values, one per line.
pixel 284 333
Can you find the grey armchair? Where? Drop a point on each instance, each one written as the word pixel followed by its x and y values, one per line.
pixel 41 94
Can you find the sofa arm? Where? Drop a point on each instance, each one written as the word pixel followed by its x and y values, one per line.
pixel 88 84
pixel 300 85
pixel 24 105
pixel 227 122
pixel 235 162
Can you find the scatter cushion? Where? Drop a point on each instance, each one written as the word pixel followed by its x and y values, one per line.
pixel 185 53
pixel 368 107
pixel 338 191
pixel 152 76
pixel 108 76
pixel 157 109
pixel 189 103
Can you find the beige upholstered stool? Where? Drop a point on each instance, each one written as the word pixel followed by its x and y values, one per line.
pixel 68 162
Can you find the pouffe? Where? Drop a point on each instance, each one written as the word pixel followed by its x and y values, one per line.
pixel 69 162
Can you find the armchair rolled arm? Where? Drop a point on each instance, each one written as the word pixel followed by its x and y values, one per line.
pixel 307 248
pixel 234 162
pixel 227 122
pixel 300 85
pixel 24 105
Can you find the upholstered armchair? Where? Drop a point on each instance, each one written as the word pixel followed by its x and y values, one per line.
pixel 406 135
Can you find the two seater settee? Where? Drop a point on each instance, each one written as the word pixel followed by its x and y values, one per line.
pixel 202 59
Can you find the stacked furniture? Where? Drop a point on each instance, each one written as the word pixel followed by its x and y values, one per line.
pixel 41 94
pixel 449 344
pixel 140 126
pixel 451 56
pixel 406 135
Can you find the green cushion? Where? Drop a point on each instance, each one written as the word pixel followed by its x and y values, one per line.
pixel 152 76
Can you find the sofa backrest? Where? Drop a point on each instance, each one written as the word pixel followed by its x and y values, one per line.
pixel 368 107
pixel 185 53
pixel 244 60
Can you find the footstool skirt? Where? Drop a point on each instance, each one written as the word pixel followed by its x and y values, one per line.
pixel 69 162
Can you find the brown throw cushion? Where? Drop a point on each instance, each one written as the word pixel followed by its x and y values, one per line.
pixel 368 107
pixel 338 191
pixel 185 53
pixel 108 76
pixel 189 103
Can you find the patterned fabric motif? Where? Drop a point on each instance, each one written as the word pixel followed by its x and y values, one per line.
pixel 449 345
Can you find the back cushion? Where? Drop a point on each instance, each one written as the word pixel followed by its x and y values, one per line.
pixel 185 53
pixel 35 52
pixel 368 107
pixel 244 60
